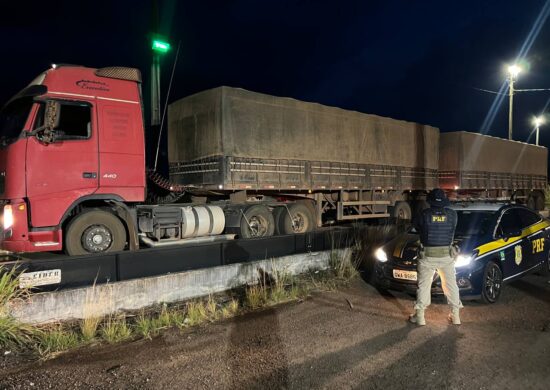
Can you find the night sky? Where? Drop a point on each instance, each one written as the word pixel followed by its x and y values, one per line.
pixel 418 61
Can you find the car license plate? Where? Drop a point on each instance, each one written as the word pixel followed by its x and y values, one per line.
pixel 406 275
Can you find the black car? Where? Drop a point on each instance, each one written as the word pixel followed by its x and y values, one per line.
pixel 498 243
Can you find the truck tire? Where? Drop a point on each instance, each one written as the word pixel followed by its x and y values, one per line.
pixel 278 213
pixel 531 202
pixel 540 201
pixel 401 211
pixel 257 221
pixel 300 222
pixel 94 231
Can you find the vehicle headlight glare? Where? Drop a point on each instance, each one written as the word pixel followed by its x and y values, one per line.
pixel 463 260
pixel 381 255
pixel 8 217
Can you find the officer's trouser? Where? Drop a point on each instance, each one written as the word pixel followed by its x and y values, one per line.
pixel 445 266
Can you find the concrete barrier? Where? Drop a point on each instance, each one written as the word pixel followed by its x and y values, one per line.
pixel 136 294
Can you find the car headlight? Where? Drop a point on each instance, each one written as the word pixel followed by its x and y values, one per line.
pixel 381 255
pixel 8 217
pixel 463 260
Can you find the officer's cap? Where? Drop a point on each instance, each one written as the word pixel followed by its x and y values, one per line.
pixel 437 198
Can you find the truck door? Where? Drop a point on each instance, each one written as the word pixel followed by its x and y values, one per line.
pixel 61 172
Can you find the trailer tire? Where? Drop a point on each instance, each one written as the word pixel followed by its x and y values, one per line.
pixel 298 213
pixel 401 211
pixel 531 202
pixel 94 231
pixel 257 221
pixel 278 213
pixel 539 201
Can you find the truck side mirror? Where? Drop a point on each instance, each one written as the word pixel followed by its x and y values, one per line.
pixel 51 114
pixel 47 133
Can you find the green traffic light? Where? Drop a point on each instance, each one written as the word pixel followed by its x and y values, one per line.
pixel 160 46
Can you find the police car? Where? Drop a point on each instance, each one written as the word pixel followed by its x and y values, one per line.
pixel 498 243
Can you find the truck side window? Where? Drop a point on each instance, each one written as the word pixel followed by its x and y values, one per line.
pixel 74 120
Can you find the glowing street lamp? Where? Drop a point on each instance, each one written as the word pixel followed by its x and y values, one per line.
pixel 513 72
pixel 537 121
pixel 160 47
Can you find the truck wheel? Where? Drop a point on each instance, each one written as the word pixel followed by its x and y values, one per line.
pixel 297 219
pixel 257 221
pixel 540 202
pixel 401 211
pixel 94 231
pixel 492 283
pixel 278 213
pixel 531 202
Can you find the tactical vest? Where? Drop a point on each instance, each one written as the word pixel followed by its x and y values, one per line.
pixel 438 227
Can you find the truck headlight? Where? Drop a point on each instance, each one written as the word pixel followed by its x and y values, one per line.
pixel 8 217
pixel 463 260
pixel 381 255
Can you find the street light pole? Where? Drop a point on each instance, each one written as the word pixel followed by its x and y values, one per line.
pixel 537 121
pixel 513 71
pixel 511 104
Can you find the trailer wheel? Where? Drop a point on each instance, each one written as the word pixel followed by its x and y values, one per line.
pixel 95 231
pixel 539 201
pixel 297 219
pixel 401 211
pixel 278 213
pixel 531 202
pixel 257 221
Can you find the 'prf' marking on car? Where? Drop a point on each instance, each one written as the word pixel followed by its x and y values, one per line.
pixel 439 218
pixel 538 245
pixel 497 244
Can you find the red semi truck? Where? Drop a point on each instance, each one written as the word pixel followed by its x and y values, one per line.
pixel 73 175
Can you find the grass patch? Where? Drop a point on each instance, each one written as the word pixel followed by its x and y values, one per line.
pixel 230 309
pixel 272 288
pixel 89 327
pixel 13 334
pixel 115 329
pixel 196 313
pixel 55 339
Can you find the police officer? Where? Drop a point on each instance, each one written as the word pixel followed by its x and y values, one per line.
pixel 436 227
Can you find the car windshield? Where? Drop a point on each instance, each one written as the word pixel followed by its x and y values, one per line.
pixel 473 223
pixel 13 118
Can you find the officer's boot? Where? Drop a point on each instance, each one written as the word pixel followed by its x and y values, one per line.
pixel 418 317
pixel 454 316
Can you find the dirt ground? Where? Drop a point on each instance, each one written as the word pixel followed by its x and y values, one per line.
pixel 325 342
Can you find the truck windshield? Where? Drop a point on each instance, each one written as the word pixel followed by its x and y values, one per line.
pixel 12 120
pixel 473 223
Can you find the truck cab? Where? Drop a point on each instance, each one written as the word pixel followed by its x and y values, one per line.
pixel 72 139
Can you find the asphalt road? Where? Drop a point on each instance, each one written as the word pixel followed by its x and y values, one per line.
pixel 327 342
